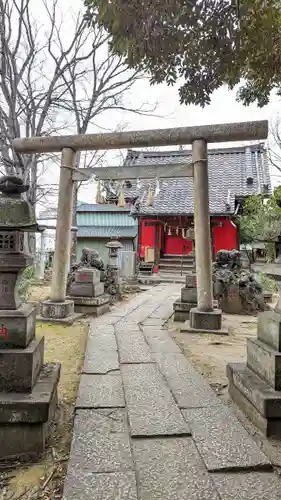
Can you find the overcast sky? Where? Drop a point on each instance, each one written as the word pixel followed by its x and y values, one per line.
pixel 223 108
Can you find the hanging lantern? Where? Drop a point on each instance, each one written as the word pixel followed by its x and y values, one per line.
pixel 182 233
pixel 150 197
pixel 177 231
pixel 121 198
pixel 169 232
pixel 99 197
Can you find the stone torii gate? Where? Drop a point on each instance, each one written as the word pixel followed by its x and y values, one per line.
pixel 198 136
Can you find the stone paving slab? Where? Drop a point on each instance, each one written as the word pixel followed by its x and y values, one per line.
pixel 84 485
pixel 151 407
pixel 100 362
pixel 171 469
pixel 153 322
pixel 101 441
pixel 160 341
pixel 222 441
pixel 126 325
pixel 248 486
pixel 95 329
pixel 188 387
pixel 100 391
pixel 163 312
pixel 133 347
pixel 102 340
pixel 101 354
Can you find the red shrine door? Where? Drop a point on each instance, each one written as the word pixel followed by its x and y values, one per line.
pixel 176 245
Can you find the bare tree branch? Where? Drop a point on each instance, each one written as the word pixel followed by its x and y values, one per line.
pixel 51 83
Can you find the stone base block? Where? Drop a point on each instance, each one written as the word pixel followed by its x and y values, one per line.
pixel 86 275
pixel 243 385
pixel 20 368
pixel 265 362
pixel 93 310
pixel 91 301
pixel 56 310
pixel 181 310
pixel 201 320
pixel 37 406
pixel 189 295
pixel 191 281
pixel 17 328
pixel 25 419
pixel 187 328
pixel 269 329
pixel 61 321
pixel 181 316
pixel 86 290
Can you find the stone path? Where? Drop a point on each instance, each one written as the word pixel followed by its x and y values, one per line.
pixel 148 426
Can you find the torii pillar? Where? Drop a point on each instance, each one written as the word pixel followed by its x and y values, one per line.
pixel 204 316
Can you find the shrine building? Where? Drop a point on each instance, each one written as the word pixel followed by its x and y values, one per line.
pixel 164 208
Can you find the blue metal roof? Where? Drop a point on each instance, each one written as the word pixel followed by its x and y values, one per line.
pixel 91 207
pixel 107 232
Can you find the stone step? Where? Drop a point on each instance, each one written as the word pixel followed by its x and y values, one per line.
pixel 177 265
pixel 156 279
pixel 269 329
pixel 173 260
pixel 178 256
pixel 265 362
pixel 265 399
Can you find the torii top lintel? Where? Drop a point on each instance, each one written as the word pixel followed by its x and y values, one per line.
pixel 225 132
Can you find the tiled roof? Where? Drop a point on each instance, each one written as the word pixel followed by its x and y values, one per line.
pixel 107 232
pixel 91 207
pixel 233 173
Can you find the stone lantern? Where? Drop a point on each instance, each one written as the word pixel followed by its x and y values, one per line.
pixel 113 268
pixel 16 219
pixel 113 248
pixel 24 409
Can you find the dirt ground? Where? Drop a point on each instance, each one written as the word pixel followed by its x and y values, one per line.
pixel 211 353
pixel 44 480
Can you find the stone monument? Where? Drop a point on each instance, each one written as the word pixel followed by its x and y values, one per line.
pixel 255 386
pixel 188 299
pixel 87 292
pixel 28 389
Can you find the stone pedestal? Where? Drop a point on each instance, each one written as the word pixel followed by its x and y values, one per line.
pixel 255 386
pixel 87 293
pixel 188 299
pixel 58 312
pixel 205 320
pixel 28 389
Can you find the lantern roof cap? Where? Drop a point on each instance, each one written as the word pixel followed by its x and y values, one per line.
pixel 114 244
pixel 15 213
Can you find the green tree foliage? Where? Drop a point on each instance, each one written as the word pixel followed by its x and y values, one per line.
pixel 261 218
pixel 201 44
